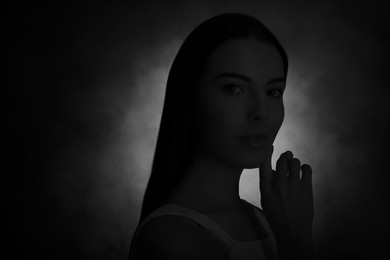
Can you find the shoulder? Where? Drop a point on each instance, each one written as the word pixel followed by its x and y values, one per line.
pixel 175 237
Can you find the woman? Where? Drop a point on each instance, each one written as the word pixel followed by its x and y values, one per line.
pixel 223 109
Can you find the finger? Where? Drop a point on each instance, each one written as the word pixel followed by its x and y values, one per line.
pixel 307 173
pixel 266 171
pixel 282 167
pixel 294 168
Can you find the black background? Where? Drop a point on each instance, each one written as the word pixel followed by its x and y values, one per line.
pixel 68 72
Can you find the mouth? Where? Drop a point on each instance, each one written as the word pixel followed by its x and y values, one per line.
pixel 254 140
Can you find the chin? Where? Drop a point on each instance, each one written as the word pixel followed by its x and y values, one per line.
pixel 248 161
pixel 251 159
pixel 252 165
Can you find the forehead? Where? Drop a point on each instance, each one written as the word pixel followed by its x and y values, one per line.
pixel 251 57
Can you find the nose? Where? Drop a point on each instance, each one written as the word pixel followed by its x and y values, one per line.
pixel 258 108
pixel 263 115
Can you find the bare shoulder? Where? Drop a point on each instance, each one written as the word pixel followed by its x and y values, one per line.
pixel 174 237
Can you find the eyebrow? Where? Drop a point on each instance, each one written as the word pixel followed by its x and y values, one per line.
pixel 246 78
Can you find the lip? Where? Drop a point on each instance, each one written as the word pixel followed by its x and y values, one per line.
pixel 256 140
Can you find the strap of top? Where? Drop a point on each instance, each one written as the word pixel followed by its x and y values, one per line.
pixel 211 227
pixel 200 219
pixel 204 221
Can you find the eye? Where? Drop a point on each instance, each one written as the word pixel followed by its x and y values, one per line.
pixel 275 92
pixel 232 89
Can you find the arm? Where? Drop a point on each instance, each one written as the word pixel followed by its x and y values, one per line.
pixel 173 237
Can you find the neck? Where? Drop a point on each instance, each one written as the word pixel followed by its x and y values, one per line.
pixel 208 184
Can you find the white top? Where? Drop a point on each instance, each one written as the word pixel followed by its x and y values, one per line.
pixel 237 250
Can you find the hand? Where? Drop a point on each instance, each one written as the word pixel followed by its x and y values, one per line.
pixel 287 201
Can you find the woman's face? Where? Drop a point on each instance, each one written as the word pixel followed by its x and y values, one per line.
pixel 239 103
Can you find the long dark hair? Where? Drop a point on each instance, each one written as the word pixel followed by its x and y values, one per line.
pixel 173 143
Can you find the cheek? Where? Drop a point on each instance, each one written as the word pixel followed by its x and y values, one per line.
pixel 217 120
pixel 217 124
pixel 277 116
pixel 220 123
pixel 275 121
